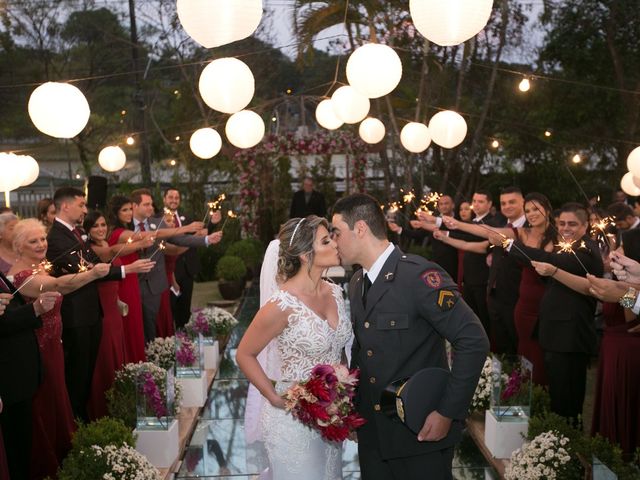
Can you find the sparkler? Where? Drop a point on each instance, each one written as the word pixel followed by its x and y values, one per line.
pixel 161 246
pixel 167 212
pixel 230 214
pixel 128 242
pixel 599 230
pixel 212 206
pixel 567 247
pixel 43 266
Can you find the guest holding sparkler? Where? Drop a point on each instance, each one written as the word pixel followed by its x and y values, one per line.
pixel 7 256
pixel 53 424
pixel 81 313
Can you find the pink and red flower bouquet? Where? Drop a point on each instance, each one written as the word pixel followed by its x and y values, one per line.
pixel 325 401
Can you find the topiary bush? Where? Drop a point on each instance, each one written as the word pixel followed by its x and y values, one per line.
pixel 231 269
pixel 247 251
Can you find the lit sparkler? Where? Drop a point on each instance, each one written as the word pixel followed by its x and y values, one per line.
pixel 213 206
pixel 161 246
pixel 567 247
pixel 230 214
pixel 43 266
pixel 128 242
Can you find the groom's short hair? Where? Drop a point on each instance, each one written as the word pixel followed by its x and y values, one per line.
pixel 360 206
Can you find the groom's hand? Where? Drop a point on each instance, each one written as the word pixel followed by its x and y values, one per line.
pixel 435 428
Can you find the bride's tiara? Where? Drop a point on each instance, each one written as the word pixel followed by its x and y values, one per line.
pixel 295 230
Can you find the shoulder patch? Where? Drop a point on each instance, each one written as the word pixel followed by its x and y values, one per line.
pixel 432 278
pixel 446 299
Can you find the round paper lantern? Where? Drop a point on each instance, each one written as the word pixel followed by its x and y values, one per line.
pixel 629 186
pixel 326 115
pixel 58 109
pixel 374 70
pixel 244 129
pixel 415 137
pixel 212 23
pixel 112 158
pixel 11 177
pixel 633 162
pixel 447 129
pixel 349 105
pixel 30 169
pixel 205 143
pixel 227 85
pixel 450 22
pixel 371 130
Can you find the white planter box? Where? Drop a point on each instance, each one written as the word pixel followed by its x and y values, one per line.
pixel 194 391
pixel 503 438
pixel 211 356
pixel 161 447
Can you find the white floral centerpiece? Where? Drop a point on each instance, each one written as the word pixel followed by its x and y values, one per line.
pixel 124 463
pixel 544 458
pixel 162 352
pixel 481 400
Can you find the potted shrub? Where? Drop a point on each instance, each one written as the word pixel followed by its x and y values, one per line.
pixel 249 253
pixel 231 272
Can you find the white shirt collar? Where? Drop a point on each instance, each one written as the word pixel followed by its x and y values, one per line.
pixel 635 224
pixel 519 222
pixel 137 222
pixel 68 225
pixel 479 218
pixel 375 269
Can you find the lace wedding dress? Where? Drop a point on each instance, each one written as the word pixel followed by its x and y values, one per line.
pixel 294 450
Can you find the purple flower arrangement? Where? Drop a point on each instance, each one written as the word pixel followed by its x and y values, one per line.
pixel 153 395
pixel 185 353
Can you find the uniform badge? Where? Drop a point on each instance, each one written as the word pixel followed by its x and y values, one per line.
pixel 432 278
pixel 388 276
pixel 446 299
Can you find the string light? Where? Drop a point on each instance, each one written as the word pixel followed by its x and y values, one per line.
pixel 495 144
pixel 130 140
pixel 172 163
pixel 177 138
pixel 547 133
pixel 123 113
pixel 576 159
pixel 524 85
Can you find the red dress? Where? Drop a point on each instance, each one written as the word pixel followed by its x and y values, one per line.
pixel 129 293
pixel 111 354
pixel 164 320
pixel 53 424
pixel 525 318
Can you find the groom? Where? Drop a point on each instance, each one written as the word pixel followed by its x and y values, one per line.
pixel 400 320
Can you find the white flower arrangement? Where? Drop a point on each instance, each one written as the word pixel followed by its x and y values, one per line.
pixel 125 463
pixel 541 459
pixel 211 321
pixel 482 396
pixel 162 352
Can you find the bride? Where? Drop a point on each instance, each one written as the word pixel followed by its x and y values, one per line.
pixel 305 324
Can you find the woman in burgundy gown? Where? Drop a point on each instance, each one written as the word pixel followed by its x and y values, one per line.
pixel 53 423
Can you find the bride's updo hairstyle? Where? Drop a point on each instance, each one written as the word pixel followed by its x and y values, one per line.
pixel 296 239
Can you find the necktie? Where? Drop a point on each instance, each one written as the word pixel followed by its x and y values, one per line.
pixel 78 234
pixel 365 289
pixel 141 227
pixel 509 225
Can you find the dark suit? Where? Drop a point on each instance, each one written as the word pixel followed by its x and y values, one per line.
pixel 401 331
pixel 187 268
pixel 566 328
pixel 20 373
pixel 631 243
pixel 444 255
pixel 81 314
pixel 301 208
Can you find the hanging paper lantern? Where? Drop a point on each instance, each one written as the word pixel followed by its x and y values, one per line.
pixel 212 23
pixel 450 22
pixel 205 143
pixel 374 70
pixel 58 109
pixel 371 130
pixel 415 137
pixel 244 129
pixel 112 158
pixel 629 186
pixel 30 169
pixel 227 85
pixel 447 129
pixel 349 105
pixel 11 177
pixel 326 115
pixel 633 162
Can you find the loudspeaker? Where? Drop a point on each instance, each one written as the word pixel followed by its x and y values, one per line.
pixel 97 192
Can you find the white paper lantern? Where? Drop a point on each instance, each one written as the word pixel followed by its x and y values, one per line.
pixel 629 186
pixel 212 23
pixel 374 70
pixel 415 137
pixel 58 109
pixel 112 158
pixel 326 115
pixel 205 143
pixel 11 177
pixel 633 162
pixel 227 85
pixel 30 169
pixel 349 105
pixel 450 22
pixel 447 129
pixel 372 130
pixel 244 129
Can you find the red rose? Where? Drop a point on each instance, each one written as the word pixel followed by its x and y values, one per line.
pixel 335 433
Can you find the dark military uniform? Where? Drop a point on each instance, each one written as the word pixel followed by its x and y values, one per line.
pixel 412 306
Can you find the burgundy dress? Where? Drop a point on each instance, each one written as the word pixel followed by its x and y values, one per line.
pixel 525 318
pixel 111 354
pixel 164 320
pixel 129 293
pixel 53 423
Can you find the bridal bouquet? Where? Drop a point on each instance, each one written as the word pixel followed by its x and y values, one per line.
pixel 325 401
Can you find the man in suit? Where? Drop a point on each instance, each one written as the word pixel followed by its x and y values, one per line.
pixel 154 283
pixel 624 219
pixel 187 264
pixel 403 307
pixel 307 201
pixel 81 312
pixel 20 371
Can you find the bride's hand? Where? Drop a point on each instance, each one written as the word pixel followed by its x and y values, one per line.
pixel 277 402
